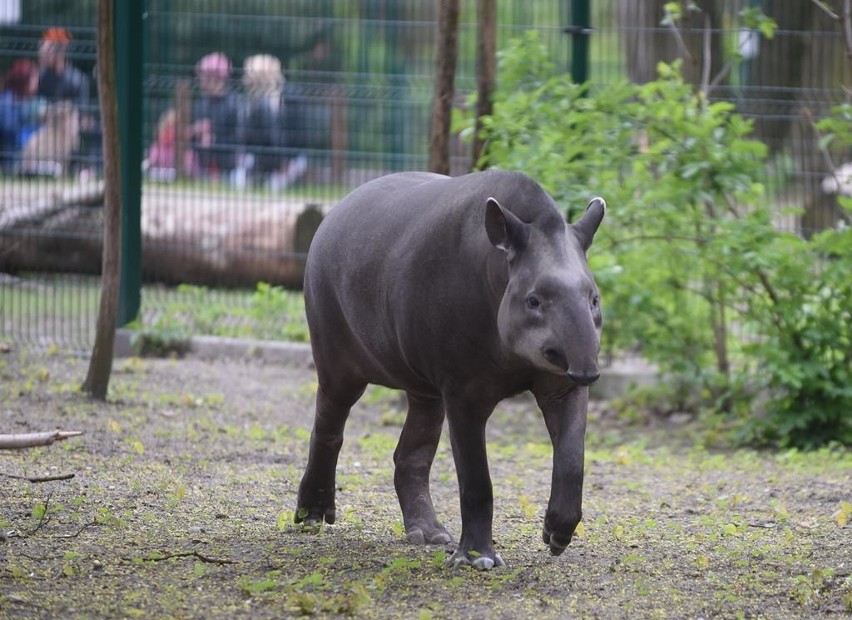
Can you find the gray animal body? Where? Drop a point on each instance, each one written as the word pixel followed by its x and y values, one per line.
pixel 461 292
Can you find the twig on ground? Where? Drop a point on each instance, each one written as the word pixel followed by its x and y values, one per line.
pixel 31 440
pixel 44 519
pixel 79 531
pixel 16 599
pixel 38 479
pixel 188 554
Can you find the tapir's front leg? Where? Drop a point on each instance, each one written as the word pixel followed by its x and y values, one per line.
pixel 565 417
pixel 467 435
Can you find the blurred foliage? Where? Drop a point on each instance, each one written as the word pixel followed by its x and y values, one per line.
pixel 755 322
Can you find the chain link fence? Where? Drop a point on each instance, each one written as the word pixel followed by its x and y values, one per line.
pixel 260 114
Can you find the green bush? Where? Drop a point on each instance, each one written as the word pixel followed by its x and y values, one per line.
pixel 752 320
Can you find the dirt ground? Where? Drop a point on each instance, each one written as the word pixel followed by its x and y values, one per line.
pixel 184 483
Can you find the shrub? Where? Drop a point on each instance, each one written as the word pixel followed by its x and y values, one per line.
pixel 754 320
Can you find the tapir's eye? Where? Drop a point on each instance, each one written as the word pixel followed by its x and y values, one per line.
pixel 533 302
pixel 596 301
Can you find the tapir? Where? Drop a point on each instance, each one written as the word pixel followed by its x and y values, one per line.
pixel 460 291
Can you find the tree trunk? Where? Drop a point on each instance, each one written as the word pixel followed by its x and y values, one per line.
pixel 785 86
pixel 647 42
pixel 486 69
pixel 100 364
pixel 773 77
pixel 445 72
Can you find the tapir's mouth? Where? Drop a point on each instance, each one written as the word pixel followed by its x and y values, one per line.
pixel 584 378
pixel 560 361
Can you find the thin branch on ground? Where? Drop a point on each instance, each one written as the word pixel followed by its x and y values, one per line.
pixel 38 479
pixel 32 440
pixel 188 554
pixel 43 520
pixel 17 599
pixel 79 531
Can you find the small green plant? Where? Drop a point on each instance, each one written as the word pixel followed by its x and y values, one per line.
pixel 160 343
pixel 808 589
pixel 251 586
pixel 267 313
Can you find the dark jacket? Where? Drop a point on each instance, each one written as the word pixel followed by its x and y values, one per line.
pixel 273 136
pixel 18 120
pixel 223 113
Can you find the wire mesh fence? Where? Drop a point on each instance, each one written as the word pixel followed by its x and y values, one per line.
pixel 260 114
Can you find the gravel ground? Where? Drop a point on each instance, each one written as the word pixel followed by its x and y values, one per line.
pixel 184 483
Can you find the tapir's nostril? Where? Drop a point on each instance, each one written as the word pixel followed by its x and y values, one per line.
pixel 584 378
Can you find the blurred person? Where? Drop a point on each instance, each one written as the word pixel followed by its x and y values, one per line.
pixel 215 118
pixel 60 80
pixel 20 110
pixel 270 138
pixel 48 151
pixel 161 159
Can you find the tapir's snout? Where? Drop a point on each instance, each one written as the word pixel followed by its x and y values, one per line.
pixel 584 378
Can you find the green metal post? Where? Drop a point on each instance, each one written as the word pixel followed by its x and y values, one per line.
pixel 128 50
pixel 579 31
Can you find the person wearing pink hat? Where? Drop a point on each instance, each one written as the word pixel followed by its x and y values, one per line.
pixel 215 117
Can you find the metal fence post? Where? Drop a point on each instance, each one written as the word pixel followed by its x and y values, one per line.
pixel 579 31
pixel 129 64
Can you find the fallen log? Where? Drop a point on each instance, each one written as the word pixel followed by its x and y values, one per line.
pixel 199 238
pixel 86 194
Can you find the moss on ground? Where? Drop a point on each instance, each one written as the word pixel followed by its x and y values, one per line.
pixel 184 485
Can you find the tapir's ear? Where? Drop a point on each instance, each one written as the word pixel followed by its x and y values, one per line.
pixel 505 230
pixel 587 225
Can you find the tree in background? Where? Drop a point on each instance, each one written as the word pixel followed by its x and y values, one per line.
pixel 100 364
pixel 445 73
pixel 486 69
pixel 649 37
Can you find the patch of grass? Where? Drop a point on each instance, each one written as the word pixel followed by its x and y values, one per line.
pixel 170 316
pixel 378 446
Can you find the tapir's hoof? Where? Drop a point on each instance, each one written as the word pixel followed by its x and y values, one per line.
pixel 314 517
pixel 480 562
pixel 436 536
pixel 557 543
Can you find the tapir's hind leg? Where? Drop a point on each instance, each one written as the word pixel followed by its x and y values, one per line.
pixel 413 460
pixel 315 501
